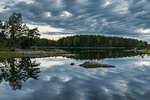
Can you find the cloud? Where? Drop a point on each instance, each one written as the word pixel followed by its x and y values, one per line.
pixel 65 14
pixel 55 36
pixel 112 17
pixel 45 28
pixel 143 31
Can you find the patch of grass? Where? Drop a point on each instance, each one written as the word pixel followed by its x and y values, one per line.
pixel 7 49
pixel 10 54
pixel 148 48
pixel 51 49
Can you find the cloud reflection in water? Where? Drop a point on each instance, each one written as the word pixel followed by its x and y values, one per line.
pixel 65 82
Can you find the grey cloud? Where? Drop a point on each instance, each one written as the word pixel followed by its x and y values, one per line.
pixel 120 17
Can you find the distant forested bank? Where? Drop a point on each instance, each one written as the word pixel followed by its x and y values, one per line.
pixel 99 41
pixel 91 42
pixel 95 41
pixel 14 33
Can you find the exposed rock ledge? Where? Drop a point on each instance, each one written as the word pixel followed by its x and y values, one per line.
pixel 91 64
pixel 41 53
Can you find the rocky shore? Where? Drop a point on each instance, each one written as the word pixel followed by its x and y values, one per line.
pixel 41 53
pixel 139 51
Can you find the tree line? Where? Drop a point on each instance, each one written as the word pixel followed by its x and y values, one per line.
pixel 15 33
pixel 99 41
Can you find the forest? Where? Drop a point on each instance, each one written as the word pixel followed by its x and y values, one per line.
pixel 99 41
pixel 14 33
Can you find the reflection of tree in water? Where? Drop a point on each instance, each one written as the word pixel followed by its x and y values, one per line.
pixel 101 54
pixel 15 71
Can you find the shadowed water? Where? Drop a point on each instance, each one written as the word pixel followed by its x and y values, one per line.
pixel 53 78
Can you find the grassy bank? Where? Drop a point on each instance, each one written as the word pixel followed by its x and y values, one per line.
pixel 44 48
pixel 49 48
pixel 52 51
pixel 10 54
pixel 34 52
pixel 146 50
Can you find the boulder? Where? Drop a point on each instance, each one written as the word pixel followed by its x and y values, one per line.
pixel 72 64
pixel 91 64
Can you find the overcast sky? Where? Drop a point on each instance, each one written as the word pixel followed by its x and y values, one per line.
pixel 128 18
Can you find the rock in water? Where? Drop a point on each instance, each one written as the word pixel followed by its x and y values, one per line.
pixel 72 64
pixel 91 64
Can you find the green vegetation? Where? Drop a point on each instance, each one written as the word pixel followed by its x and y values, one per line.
pixel 146 50
pixel 16 34
pixel 6 53
pixel 10 54
pixel 45 48
pixel 44 42
pixel 99 41
pixel 7 49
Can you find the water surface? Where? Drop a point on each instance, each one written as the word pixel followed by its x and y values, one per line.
pixel 53 78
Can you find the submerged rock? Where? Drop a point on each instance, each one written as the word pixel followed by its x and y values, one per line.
pixel 91 64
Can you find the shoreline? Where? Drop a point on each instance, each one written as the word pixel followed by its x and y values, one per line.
pixel 42 53
pixel 47 52
pixel 139 51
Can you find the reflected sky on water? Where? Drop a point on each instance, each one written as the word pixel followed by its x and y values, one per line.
pixel 58 80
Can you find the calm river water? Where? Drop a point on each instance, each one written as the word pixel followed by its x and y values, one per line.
pixel 53 78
